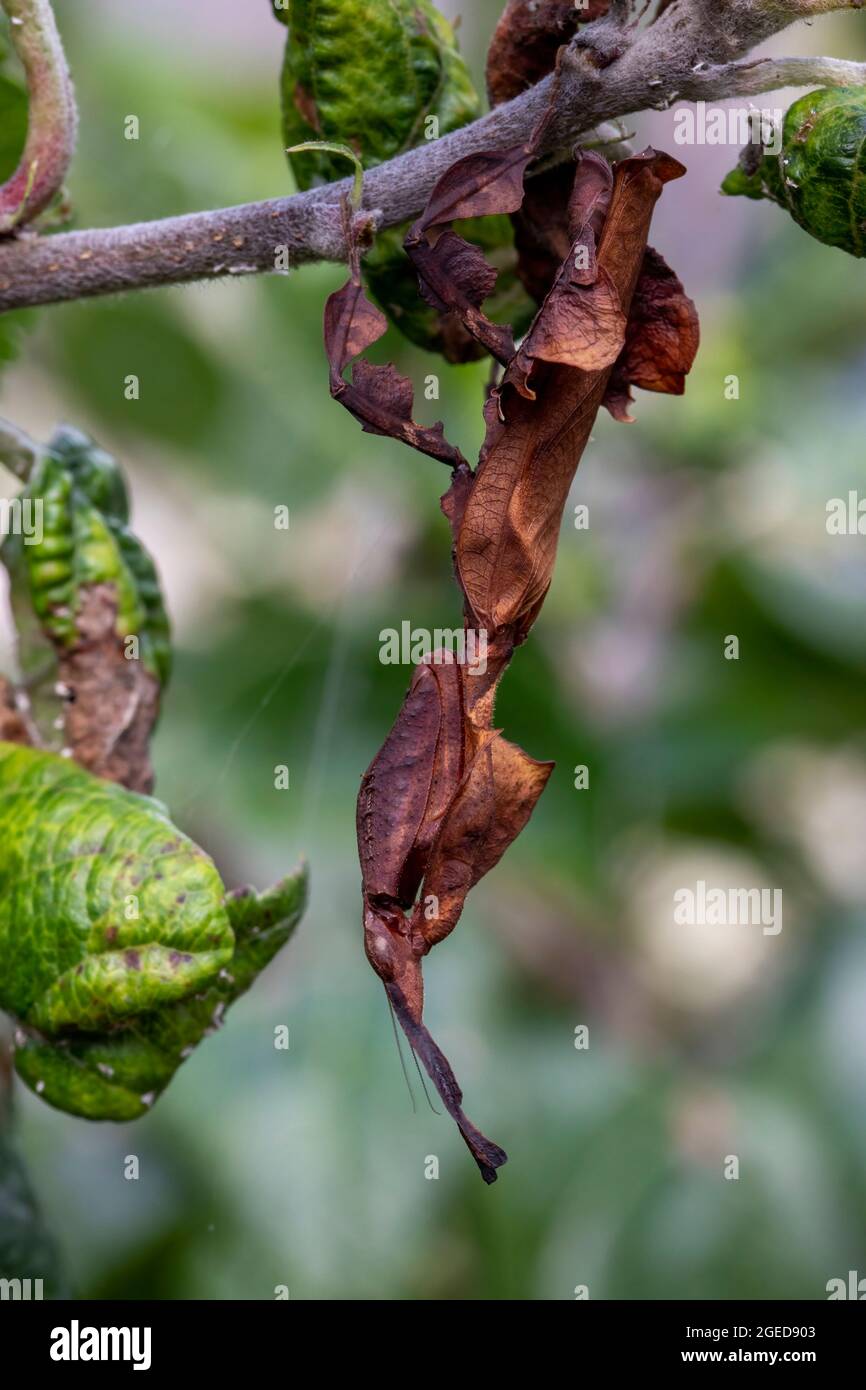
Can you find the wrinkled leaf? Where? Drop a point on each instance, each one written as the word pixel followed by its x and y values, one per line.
pixel 819 175
pixel 455 275
pixel 490 808
pixel 662 338
pixel 378 397
pixel 438 806
pixel 80 591
pixel 412 71
pixel 510 528
pixel 119 949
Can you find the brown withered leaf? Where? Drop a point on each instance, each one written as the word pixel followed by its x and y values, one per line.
pixel 590 195
pixel 392 948
pixel 453 502
pixel 395 791
pixel 411 782
pixel 581 322
pixel 491 807
pixel 558 204
pixel 112 702
pixel 454 275
pixel 541 229
pixel 526 40
pixel 479 185
pixel 510 527
pixel 380 399
pixel 662 338
pixel 438 806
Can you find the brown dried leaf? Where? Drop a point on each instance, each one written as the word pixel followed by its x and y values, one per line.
pixel 423 815
pixel 454 275
pixel 478 185
pixel 583 327
pixel 380 399
pixel 581 322
pixel 395 791
pixel 453 502
pixel 541 229
pixel 455 278
pixel 526 40
pixel 590 195
pixel 510 529
pixel 492 806
pixel 112 702
pixel 662 338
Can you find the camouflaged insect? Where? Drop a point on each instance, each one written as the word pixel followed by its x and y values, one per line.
pixel 119 947
pixel 818 175
pixel 412 72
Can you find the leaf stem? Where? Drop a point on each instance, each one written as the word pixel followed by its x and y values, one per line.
pixel 331 147
pixel 18 452
pixel 52 119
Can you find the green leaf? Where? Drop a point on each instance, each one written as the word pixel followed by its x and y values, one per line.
pixel 27 1251
pixel 81 497
pixel 119 949
pixel 411 72
pixel 819 175
pixel 377 103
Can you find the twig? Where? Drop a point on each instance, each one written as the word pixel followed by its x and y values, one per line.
pixel 18 452
pixel 52 116
pixel 689 53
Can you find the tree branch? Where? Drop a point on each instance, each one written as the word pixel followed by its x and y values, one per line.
pixel 52 116
pixel 610 70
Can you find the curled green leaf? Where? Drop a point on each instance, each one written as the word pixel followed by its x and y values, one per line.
pixel 80 537
pixel 93 631
pixel 119 947
pixel 380 103
pixel 332 147
pixel 819 173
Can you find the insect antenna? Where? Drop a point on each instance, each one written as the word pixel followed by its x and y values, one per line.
pixel 403 1060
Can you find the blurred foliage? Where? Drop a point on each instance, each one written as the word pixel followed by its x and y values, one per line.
pixel 27 1251
pixel 707 518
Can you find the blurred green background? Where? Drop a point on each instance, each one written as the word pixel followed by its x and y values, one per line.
pixel 306 1168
